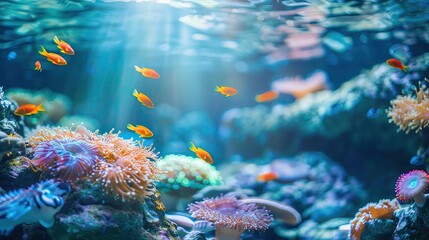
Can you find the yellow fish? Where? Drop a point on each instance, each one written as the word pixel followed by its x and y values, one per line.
pixel 143 131
pixel 227 91
pixel 201 153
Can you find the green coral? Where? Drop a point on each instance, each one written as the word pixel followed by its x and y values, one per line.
pixel 183 175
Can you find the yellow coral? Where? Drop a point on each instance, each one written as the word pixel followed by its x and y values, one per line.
pixel 410 112
pixel 382 209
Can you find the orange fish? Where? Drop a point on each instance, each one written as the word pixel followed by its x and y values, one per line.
pixel 395 63
pixel 201 153
pixel 28 109
pixel 147 72
pixel 38 66
pixel 227 91
pixel 145 100
pixel 53 57
pixel 143 131
pixel 268 176
pixel 267 96
pixel 63 46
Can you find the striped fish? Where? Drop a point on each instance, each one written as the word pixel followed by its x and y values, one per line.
pixel 203 226
pixel 38 203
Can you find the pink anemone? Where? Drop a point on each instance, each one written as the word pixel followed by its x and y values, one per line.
pixel 412 185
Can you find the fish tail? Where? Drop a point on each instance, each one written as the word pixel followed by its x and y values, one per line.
pixel 130 126
pixel 405 68
pixel 218 89
pixel 40 108
pixel 56 40
pixel 43 51
pixel 192 147
pixel 138 69
pixel 135 93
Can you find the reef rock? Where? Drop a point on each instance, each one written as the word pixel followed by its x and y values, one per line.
pixel 88 214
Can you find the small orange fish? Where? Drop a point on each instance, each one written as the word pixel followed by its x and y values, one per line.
pixel 53 57
pixel 143 131
pixel 145 100
pixel 268 176
pixel 38 66
pixel 63 46
pixel 227 91
pixel 267 96
pixel 28 109
pixel 147 72
pixel 395 63
pixel 201 153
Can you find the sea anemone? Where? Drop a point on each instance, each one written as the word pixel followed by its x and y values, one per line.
pixel 410 112
pixel 68 159
pixel 184 176
pixel 412 185
pixel 382 210
pixel 231 216
pixel 122 168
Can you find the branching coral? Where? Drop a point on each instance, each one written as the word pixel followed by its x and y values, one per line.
pixel 231 216
pixel 121 167
pixel 410 112
pixel 412 185
pixel 184 176
pixel 380 210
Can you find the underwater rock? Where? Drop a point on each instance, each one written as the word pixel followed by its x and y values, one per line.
pixel 378 229
pixel 412 222
pixel 11 146
pixel 88 214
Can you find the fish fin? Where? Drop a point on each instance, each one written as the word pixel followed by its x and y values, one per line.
pixel 56 40
pixel 40 108
pixel 43 51
pixel 131 127
pixel 405 68
pixel 135 93
pixel 192 147
pixel 47 223
pixel 218 89
pixel 138 69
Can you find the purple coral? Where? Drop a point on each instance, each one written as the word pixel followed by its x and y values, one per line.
pixel 67 159
pixel 231 216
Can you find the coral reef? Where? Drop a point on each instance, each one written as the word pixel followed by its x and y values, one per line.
pixel 67 159
pixel 231 216
pixel 125 168
pixel 382 210
pixel 89 214
pixel 37 203
pixel 184 175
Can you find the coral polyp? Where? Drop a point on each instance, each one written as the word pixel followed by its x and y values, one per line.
pixel 382 210
pixel 66 159
pixel 231 216
pixel 122 168
pixel 184 176
pixel 412 185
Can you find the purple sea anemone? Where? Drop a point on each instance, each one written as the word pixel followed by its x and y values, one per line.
pixel 231 216
pixel 67 159
pixel 412 185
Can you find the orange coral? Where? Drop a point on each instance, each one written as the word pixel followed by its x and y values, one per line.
pixel 410 112
pixel 126 169
pixel 382 209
